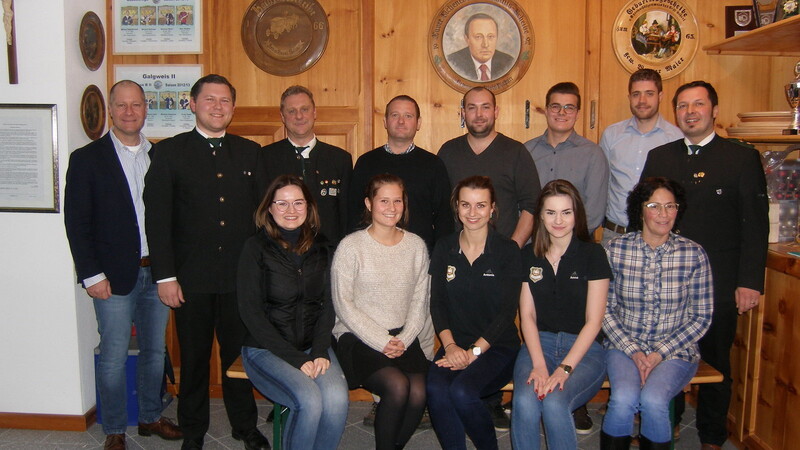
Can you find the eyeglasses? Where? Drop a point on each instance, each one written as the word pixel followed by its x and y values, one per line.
pixel 669 208
pixel 556 108
pixel 283 205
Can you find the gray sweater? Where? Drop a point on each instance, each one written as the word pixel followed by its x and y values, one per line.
pixel 378 288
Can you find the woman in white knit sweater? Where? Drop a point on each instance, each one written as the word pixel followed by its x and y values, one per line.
pixel 380 294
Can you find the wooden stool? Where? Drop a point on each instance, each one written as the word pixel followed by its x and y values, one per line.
pixel 279 412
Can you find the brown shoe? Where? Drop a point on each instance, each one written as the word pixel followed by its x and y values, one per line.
pixel 710 447
pixel 163 428
pixel 114 442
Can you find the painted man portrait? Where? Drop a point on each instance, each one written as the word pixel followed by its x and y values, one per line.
pixel 480 60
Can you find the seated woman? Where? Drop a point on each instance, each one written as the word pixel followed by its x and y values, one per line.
pixel 289 318
pixel 475 280
pixel 561 366
pixel 380 293
pixel 659 306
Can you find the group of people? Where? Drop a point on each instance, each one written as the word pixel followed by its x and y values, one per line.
pixel 326 277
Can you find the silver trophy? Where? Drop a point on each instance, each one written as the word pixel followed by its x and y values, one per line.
pixel 793 97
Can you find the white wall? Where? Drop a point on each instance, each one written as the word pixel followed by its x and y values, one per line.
pixel 47 326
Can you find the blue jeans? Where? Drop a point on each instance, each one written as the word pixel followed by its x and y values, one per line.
pixel 556 408
pixel 317 407
pixel 454 398
pixel 114 317
pixel 628 396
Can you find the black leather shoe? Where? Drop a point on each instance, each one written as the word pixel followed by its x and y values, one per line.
pixel 253 440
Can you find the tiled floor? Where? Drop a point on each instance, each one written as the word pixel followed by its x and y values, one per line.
pixel 356 435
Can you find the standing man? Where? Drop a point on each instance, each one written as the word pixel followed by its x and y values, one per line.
pixel 324 168
pixel 627 143
pixel 561 153
pixel 201 192
pixel 480 60
pixel 726 213
pixel 104 218
pixel 423 173
pixel 484 151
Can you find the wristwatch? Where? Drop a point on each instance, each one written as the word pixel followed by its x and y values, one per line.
pixel 475 350
pixel 566 368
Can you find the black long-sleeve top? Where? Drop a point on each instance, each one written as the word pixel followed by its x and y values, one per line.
pixel 286 306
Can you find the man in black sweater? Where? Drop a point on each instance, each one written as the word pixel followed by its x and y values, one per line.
pixel 423 173
pixel 324 168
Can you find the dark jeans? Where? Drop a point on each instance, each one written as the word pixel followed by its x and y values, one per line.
pixel 196 321
pixel 714 399
pixel 454 398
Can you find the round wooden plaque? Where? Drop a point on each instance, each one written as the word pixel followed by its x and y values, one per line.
pixel 92 40
pixel 508 44
pixel 661 36
pixel 93 112
pixel 285 37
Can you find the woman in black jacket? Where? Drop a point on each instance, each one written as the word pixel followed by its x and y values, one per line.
pixel 285 302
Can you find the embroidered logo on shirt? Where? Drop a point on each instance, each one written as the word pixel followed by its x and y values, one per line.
pixel 574 276
pixel 488 273
pixel 719 191
pixel 536 274
pixel 451 273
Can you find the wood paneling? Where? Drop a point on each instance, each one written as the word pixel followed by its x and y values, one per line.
pixel 378 49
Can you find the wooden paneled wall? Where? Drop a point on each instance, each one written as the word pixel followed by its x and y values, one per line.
pixel 378 49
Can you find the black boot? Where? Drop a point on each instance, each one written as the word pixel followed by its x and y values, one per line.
pixel 647 444
pixel 608 442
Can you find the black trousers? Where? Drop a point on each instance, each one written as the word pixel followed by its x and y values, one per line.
pixel 713 399
pixel 196 321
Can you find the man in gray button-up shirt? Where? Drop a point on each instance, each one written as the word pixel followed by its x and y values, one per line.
pixel 560 153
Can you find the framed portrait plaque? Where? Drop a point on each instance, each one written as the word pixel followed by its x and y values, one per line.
pixel 157 26
pixel 655 35
pixel 481 43
pixel 28 158
pixel 93 112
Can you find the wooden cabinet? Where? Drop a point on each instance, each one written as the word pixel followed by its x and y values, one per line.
pixel 764 410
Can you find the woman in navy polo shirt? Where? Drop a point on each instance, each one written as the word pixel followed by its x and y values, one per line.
pixel 562 364
pixel 475 282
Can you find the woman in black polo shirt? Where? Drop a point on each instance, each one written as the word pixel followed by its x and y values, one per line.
pixel 475 283
pixel 562 364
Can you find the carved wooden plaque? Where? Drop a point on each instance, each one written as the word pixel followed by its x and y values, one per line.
pixel 285 37
pixel 92 40
pixel 93 112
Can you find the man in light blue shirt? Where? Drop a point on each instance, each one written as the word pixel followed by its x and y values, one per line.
pixel 627 143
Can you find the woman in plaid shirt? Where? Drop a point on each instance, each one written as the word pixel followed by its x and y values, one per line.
pixel 659 305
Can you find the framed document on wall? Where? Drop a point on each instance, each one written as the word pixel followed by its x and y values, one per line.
pixel 157 26
pixel 28 158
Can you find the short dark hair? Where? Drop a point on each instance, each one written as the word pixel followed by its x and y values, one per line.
pixel 478 16
pixel 405 98
pixel 309 228
pixel 294 90
pixel 478 89
pixel 645 75
pixel 642 193
pixel 215 79
pixel 712 93
pixel 541 238
pixel 566 87
pixel 374 184
pixel 474 182
pixel 120 84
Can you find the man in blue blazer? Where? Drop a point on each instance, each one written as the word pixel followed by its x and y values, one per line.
pixel 104 218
